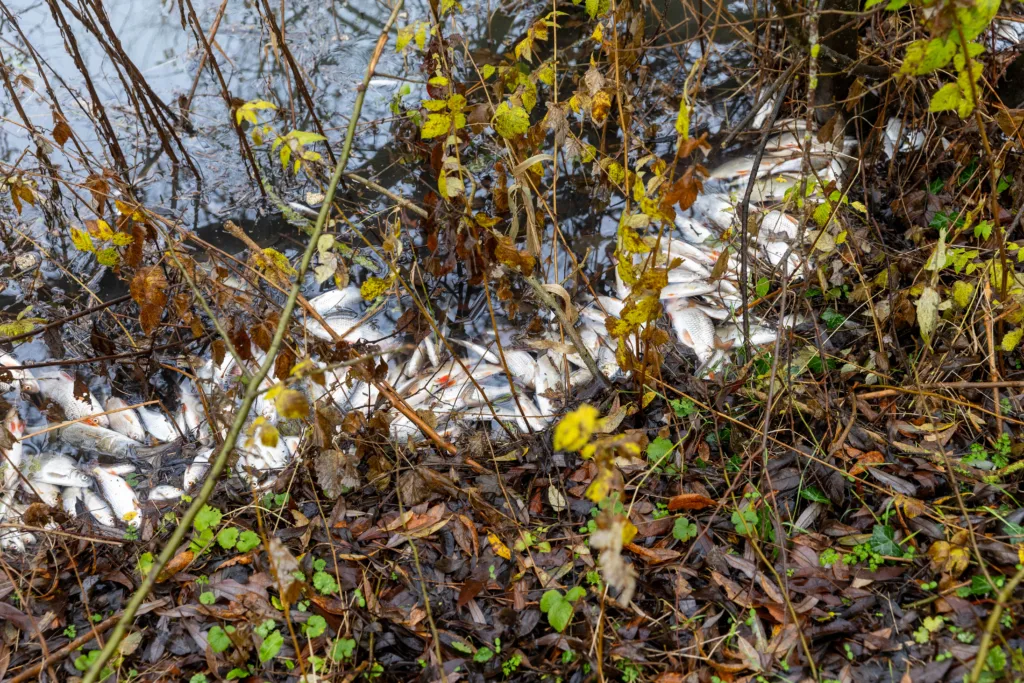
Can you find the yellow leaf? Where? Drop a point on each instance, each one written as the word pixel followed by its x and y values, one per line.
pixel 81 240
pixel 436 125
pixel 108 257
pixel 1011 339
pixel 373 287
pixel 405 35
pixel 122 239
pixel 434 105
pixel 683 119
pixel 421 34
pixel 510 121
pixel 575 429
pixel 629 532
pixel 291 404
pixel 642 311
pixel 103 231
pixel 486 71
pixel 601 486
pixel 269 435
pixel 499 548
pixel 279 261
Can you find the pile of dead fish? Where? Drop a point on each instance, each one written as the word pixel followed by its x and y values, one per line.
pixel 87 464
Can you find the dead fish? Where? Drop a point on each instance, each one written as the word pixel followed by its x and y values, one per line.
pixel 74 397
pixel 122 499
pixel 157 424
pixel 11 450
pixel 48 493
pixel 163 493
pixel 197 469
pixel 55 469
pixel 109 442
pixel 693 328
pixel 348 300
pixel 98 508
pixel 10 379
pixel 125 421
pixel 70 497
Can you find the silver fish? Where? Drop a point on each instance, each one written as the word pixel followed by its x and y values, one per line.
pixel 109 442
pixel 164 492
pixel 55 469
pixel 693 328
pixel 157 424
pixel 347 300
pixel 122 499
pixel 78 403
pixel 197 469
pixel 21 379
pixel 48 493
pixel 70 497
pixel 125 421
pixel 98 507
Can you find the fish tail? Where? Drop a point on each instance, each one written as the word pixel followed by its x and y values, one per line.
pixel 153 452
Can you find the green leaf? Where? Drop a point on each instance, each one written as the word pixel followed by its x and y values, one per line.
pixel 218 639
pixel 462 647
pixel 683 407
pixel 207 598
pixel 560 615
pixel 198 678
pixel 549 600
pixel 207 518
pixel 238 673
pixel 343 648
pixel 761 288
pixel 145 563
pixel 324 583
pixel 228 537
pixel 871 3
pixel 247 541
pixel 983 230
pixel 883 541
pixel 575 593
pixel 814 494
pixel 510 121
pixel 745 521
pixel 271 646
pixel 315 626
pixel 483 655
pixel 684 529
pixel 945 98
pixel 659 448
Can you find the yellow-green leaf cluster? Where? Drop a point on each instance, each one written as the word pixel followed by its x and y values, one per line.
pixel 573 432
pixel 510 121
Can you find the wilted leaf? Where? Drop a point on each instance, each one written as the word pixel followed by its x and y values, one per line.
pixel 928 313
pixel 286 571
pixel 149 291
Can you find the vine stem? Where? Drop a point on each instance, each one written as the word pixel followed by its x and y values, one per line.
pixel 992 624
pixel 253 387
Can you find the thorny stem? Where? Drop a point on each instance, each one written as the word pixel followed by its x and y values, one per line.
pixel 252 389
